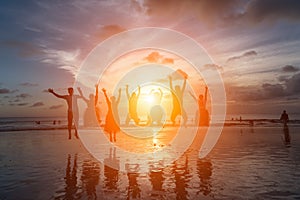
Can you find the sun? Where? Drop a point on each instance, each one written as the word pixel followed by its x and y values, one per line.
pixel 149 98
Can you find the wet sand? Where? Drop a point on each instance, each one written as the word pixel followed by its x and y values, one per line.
pixel 246 163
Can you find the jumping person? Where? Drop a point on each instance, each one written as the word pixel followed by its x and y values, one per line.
pixel 177 96
pixel 132 106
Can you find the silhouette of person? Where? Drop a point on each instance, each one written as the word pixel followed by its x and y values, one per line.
pixel 177 96
pixel 132 105
pixel 72 109
pixel 204 115
pixel 156 111
pixel 284 117
pixel 89 118
pixel 112 120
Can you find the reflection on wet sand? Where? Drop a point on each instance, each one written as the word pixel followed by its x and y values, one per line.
pixel 111 171
pixel 90 177
pixel 287 137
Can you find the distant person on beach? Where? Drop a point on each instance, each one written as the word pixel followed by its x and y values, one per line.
pixel 204 115
pixel 72 109
pixel 132 106
pixel 284 117
pixel 177 97
pixel 89 118
pixel 112 121
pixel 97 109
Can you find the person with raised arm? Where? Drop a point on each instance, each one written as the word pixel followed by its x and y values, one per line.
pixel 112 121
pixel 132 106
pixel 72 109
pixel 204 115
pixel 177 97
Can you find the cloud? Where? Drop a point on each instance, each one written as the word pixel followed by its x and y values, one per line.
pixel 156 57
pixel 37 104
pixel 290 68
pixel 27 84
pixel 246 55
pixel 23 95
pixel 4 91
pixel 109 30
pixel 25 49
pixel 213 67
pixel 272 10
pixel 7 91
pixel 22 104
pixel 56 107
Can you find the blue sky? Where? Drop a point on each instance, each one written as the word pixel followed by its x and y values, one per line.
pixel 255 43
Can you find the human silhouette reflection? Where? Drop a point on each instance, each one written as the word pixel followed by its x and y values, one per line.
pixel 132 106
pixel 182 177
pixel 73 114
pixel 111 170
pixel 71 178
pixel 90 178
pixel 89 117
pixel 133 191
pixel 204 171
pixel 157 178
pixel 177 97
pixel 203 112
pixel 287 137
pixel 112 120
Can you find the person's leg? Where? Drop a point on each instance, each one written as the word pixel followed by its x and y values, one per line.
pixel 115 137
pixel 70 120
pixel 127 120
pixel 110 136
pixel 76 123
pixel 173 116
pixel 184 116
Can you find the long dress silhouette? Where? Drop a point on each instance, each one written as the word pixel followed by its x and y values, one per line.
pixel 112 120
pixel 132 104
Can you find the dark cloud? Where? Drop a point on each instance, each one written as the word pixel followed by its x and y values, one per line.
pixel 22 104
pixel 292 84
pixel 37 104
pixel 23 95
pixel 272 10
pixel 245 55
pixel 4 91
pixel 56 107
pixel 290 68
pixel 25 49
pixel 27 84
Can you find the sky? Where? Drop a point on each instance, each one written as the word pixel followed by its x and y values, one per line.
pixel 254 44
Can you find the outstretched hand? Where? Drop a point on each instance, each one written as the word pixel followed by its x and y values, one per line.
pixel 104 90
pixel 50 90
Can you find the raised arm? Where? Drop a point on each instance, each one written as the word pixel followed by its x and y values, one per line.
pixel 161 94
pixel 205 95
pixel 81 95
pixel 184 85
pixel 119 96
pixel 55 94
pixel 127 93
pixel 171 83
pixel 139 92
pixel 96 95
pixel 106 97
pixel 192 95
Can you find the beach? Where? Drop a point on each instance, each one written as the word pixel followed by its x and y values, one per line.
pixel 246 163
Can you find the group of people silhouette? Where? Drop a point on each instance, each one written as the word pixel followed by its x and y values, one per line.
pixel 112 121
